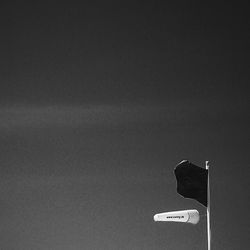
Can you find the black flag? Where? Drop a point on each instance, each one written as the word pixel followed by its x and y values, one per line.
pixel 192 181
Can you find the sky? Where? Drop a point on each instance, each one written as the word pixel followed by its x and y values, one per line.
pixel 99 101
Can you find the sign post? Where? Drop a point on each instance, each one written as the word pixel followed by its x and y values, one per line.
pixel 208 209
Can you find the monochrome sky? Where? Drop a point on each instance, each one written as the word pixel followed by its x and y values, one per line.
pixel 99 101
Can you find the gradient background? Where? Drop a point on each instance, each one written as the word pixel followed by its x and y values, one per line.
pixel 99 101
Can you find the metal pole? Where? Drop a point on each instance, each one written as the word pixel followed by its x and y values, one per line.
pixel 208 210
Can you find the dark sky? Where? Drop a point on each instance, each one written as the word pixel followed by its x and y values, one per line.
pixel 99 101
